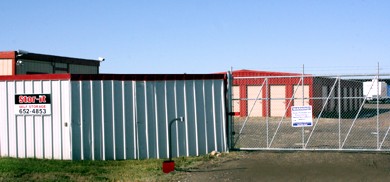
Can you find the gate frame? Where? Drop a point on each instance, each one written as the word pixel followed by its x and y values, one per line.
pixel 339 97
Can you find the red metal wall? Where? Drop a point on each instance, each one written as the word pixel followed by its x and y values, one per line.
pixel 288 82
pixel 9 55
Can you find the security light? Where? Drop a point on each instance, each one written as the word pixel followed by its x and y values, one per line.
pixel 101 59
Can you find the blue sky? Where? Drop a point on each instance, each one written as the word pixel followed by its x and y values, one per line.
pixel 205 36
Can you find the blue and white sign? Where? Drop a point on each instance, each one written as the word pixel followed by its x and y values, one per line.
pixel 302 116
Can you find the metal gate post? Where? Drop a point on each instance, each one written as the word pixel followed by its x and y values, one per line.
pixel 230 109
pixel 339 109
pixel 377 110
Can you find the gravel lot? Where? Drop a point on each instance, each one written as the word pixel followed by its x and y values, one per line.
pixel 293 166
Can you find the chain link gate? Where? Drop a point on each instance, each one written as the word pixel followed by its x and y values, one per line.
pixel 350 112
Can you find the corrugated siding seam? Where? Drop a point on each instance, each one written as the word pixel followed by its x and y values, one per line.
pixel 166 116
pixel 156 119
pixel 182 98
pixel 124 120
pixel 103 120
pixel 71 122
pixel 224 137
pixel 196 119
pixel 113 117
pixel 214 116
pixel 92 121
pixel 146 119
pixel 51 120
pixel 205 117
pixel 186 117
pixel 176 116
pixel 135 131
pixel 61 123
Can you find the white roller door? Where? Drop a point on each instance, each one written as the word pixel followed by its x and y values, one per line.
pixel 299 95
pixel 278 102
pixel 236 98
pixel 5 66
pixel 253 93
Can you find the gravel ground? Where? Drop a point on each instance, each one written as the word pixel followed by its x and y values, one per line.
pixel 292 166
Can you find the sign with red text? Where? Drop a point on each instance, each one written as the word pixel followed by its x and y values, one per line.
pixel 32 104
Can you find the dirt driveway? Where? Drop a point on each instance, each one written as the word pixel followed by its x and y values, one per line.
pixel 293 166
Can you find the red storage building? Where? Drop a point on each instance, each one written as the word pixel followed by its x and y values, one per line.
pixel 264 93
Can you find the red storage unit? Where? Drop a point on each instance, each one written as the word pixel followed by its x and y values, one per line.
pixel 281 90
pixel 278 87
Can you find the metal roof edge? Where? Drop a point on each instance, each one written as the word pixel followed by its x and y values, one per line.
pixel 7 54
pixel 36 77
pixel 148 77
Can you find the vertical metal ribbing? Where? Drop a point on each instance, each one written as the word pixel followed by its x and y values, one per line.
pixel 113 117
pixel 7 101
pixel 71 119
pixel 124 119
pixel 214 116
pixel 205 117
pixel 43 128
pixel 102 132
pixel 156 119
pixel 24 124
pixel 52 122
pixel 16 128
pixel 34 139
pixel 33 118
pixel 135 128
pixel 196 119
pixel 186 117
pixel 61 120
pixel 223 118
pixel 92 122
pixel 176 123
pixel 146 118
pixel 81 121
pixel 166 118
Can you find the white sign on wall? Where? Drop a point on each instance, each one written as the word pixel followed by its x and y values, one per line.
pixel 32 104
pixel 302 116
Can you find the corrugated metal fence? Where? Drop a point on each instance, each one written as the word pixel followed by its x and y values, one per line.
pixel 35 136
pixel 103 119
pixel 131 118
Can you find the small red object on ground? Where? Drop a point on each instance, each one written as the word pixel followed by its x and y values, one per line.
pixel 168 166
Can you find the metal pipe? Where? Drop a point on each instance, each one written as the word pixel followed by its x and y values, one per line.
pixel 181 119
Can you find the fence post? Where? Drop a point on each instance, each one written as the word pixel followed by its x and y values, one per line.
pixel 339 109
pixel 229 109
pixel 377 110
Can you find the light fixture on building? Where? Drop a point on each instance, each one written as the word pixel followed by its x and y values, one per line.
pixel 101 59
pixel 19 63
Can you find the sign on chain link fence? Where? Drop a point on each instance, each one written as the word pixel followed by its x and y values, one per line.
pixel 350 112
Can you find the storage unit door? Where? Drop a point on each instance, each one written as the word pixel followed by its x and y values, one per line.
pixel 278 100
pixel 254 101
pixel 236 98
pixel 299 94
